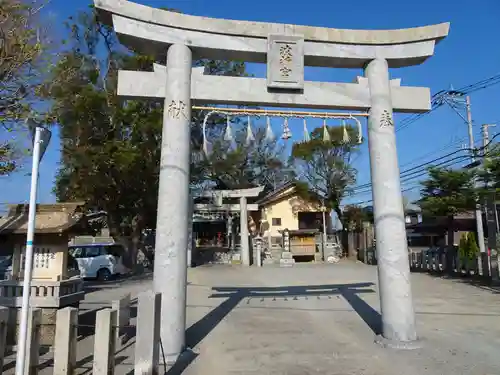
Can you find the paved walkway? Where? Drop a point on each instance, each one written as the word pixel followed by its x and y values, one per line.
pixel 320 319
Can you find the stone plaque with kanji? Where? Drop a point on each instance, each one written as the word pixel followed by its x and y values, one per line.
pixel 285 62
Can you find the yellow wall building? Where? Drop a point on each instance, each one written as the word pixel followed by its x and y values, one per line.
pixel 284 208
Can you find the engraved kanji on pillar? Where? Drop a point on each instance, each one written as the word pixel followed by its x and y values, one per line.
pixel 176 110
pixel 285 62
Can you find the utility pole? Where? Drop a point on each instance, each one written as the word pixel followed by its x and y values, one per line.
pixel 486 137
pixel 469 126
pixel 486 142
pixel 478 213
pixel 492 219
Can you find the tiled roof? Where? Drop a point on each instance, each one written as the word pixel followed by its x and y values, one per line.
pixel 50 218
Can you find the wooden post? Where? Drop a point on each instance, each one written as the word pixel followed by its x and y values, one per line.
pixel 65 341
pixel 104 344
pixel 4 319
pixel 33 344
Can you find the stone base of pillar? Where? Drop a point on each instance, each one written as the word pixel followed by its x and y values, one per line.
pixel 187 356
pixel 399 345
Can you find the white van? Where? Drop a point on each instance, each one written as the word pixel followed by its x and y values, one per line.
pixel 99 261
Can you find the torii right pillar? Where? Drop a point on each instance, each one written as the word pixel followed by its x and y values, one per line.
pixel 396 305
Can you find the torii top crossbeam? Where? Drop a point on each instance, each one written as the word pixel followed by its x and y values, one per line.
pixel 152 31
pixel 141 26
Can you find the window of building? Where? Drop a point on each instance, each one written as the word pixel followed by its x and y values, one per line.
pixel 276 221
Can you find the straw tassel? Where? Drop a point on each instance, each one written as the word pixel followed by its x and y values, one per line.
pixel 326 133
pixel 228 135
pixel 287 134
pixel 250 137
pixel 269 137
pixel 307 136
pixel 345 135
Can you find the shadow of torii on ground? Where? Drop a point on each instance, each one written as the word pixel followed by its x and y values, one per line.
pixel 235 295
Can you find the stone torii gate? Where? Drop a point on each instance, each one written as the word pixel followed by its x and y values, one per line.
pixel 243 207
pixel 176 38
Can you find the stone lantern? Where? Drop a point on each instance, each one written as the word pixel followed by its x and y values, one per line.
pixel 55 284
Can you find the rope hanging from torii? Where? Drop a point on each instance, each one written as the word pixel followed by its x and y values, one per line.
pixel 286 115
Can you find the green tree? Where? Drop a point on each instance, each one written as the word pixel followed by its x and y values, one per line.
pixel 463 246
pixel 23 57
pixel 448 192
pixel 242 164
pixel 110 148
pixel 325 167
pixel 489 175
pixel 468 249
pixel 473 248
pixel 353 216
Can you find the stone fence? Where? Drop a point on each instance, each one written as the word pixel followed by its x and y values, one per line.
pixel 109 327
pixel 43 293
pixel 440 261
pixel 46 296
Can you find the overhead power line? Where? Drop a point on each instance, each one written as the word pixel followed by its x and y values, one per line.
pixel 371 200
pixel 420 166
pixel 452 144
pixel 416 174
pixel 421 170
pixel 437 99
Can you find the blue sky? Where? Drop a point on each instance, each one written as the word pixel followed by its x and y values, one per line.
pixel 469 54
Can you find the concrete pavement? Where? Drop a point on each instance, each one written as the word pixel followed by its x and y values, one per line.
pixel 316 319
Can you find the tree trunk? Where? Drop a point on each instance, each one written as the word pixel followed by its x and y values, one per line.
pixel 114 227
pixel 352 252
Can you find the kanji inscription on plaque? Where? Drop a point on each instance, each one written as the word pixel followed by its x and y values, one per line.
pixel 285 62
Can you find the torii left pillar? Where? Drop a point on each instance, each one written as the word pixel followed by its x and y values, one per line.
pixel 396 305
pixel 244 240
pixel 170 269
